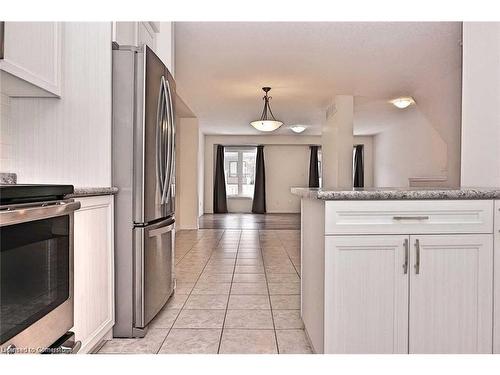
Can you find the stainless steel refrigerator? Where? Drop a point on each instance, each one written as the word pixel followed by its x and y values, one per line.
pixel 144 172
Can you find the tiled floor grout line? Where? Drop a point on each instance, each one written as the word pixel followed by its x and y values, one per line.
pixel 229 295
pixel 191 291
pixel 191 248
pixel 269 295
pixel 288 255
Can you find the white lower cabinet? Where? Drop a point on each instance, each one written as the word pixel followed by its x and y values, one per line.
pixel 451 296
pixel 408 293
pixel 366 304
pixel 496 280
pixel 93 271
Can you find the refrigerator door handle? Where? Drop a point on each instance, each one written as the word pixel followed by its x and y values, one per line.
pixel 168 166
pixel 160 119
pixel 161 230
pixel 171 140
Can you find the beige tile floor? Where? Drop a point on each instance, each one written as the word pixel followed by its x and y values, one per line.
pixel 238 291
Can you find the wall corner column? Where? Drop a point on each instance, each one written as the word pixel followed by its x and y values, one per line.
pixel 337 142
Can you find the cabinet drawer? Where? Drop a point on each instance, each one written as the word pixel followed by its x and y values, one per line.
pixel 408 217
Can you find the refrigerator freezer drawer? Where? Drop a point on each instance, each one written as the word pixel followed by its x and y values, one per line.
pixel 153 281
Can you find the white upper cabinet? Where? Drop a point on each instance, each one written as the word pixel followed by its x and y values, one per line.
pixel 157 35
pixel 31 61
pixel 135 33
pixel 366 288
pixel 451 294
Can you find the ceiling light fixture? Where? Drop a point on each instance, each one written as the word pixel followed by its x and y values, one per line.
pixel 267 122
pixel 403 102
pixel 298 128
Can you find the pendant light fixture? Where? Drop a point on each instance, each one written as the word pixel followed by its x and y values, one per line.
pixel 267 122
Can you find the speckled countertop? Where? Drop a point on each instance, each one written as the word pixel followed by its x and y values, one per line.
pixel 398 193
pixel 92 191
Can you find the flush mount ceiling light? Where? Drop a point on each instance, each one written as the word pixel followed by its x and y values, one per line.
pixel 267 122
pixel 403 102
pixel 298 128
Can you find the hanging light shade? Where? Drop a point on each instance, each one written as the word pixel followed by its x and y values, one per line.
pixel 267 122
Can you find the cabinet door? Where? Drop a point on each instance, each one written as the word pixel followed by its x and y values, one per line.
pixel 93 271
pixel 146 35
pixel 496 278
pixel 451 294
pixel 32 52
pixel 366 294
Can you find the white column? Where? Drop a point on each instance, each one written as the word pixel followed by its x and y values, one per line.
pixel 337 142
pixel 186 164
pixel 480 164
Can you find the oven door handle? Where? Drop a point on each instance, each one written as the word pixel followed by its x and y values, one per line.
pixel 28 212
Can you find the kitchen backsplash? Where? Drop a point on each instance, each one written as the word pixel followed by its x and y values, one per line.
pixel 5 134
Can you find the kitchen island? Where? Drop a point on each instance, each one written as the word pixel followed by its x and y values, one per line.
pixel 400 270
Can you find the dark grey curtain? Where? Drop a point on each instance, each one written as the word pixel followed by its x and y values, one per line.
pixel 220 201
pixel 259 194
pixel 359 173
pixel 314 168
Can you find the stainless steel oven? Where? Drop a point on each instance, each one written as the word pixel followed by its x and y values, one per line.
pixel 36 272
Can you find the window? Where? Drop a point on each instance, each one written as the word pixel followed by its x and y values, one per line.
pixel 239 168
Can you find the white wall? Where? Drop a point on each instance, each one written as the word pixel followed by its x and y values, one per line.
pixel 481 105
pixel 6 140
pixel 187 137
pixel 201 172
pixel 287 164
pixel 413 148
pixel 68 140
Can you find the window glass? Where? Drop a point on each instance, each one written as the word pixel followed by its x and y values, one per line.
pixel 239 165
pixel 233 169
pixel 320 167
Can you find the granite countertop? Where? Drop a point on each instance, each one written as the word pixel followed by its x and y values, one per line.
pixel 92 191
pixel 398 193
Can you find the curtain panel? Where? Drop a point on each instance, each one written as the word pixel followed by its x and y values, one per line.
pixel 220 199
pixel 358 168
pixel 259 194
pixel 314 168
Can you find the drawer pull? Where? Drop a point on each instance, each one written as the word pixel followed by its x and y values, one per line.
pixel 410 217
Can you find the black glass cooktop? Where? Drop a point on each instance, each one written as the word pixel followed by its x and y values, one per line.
pixel 27 193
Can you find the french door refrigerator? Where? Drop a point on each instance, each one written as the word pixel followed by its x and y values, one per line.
pixel 143 145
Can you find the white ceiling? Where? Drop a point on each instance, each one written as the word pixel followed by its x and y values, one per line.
pixel 220 68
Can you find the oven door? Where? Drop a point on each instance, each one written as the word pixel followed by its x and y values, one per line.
pixel 36 273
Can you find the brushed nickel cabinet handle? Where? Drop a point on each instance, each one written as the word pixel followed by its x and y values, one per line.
pixel 417 256
pixel 410 217
pixel 405 265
